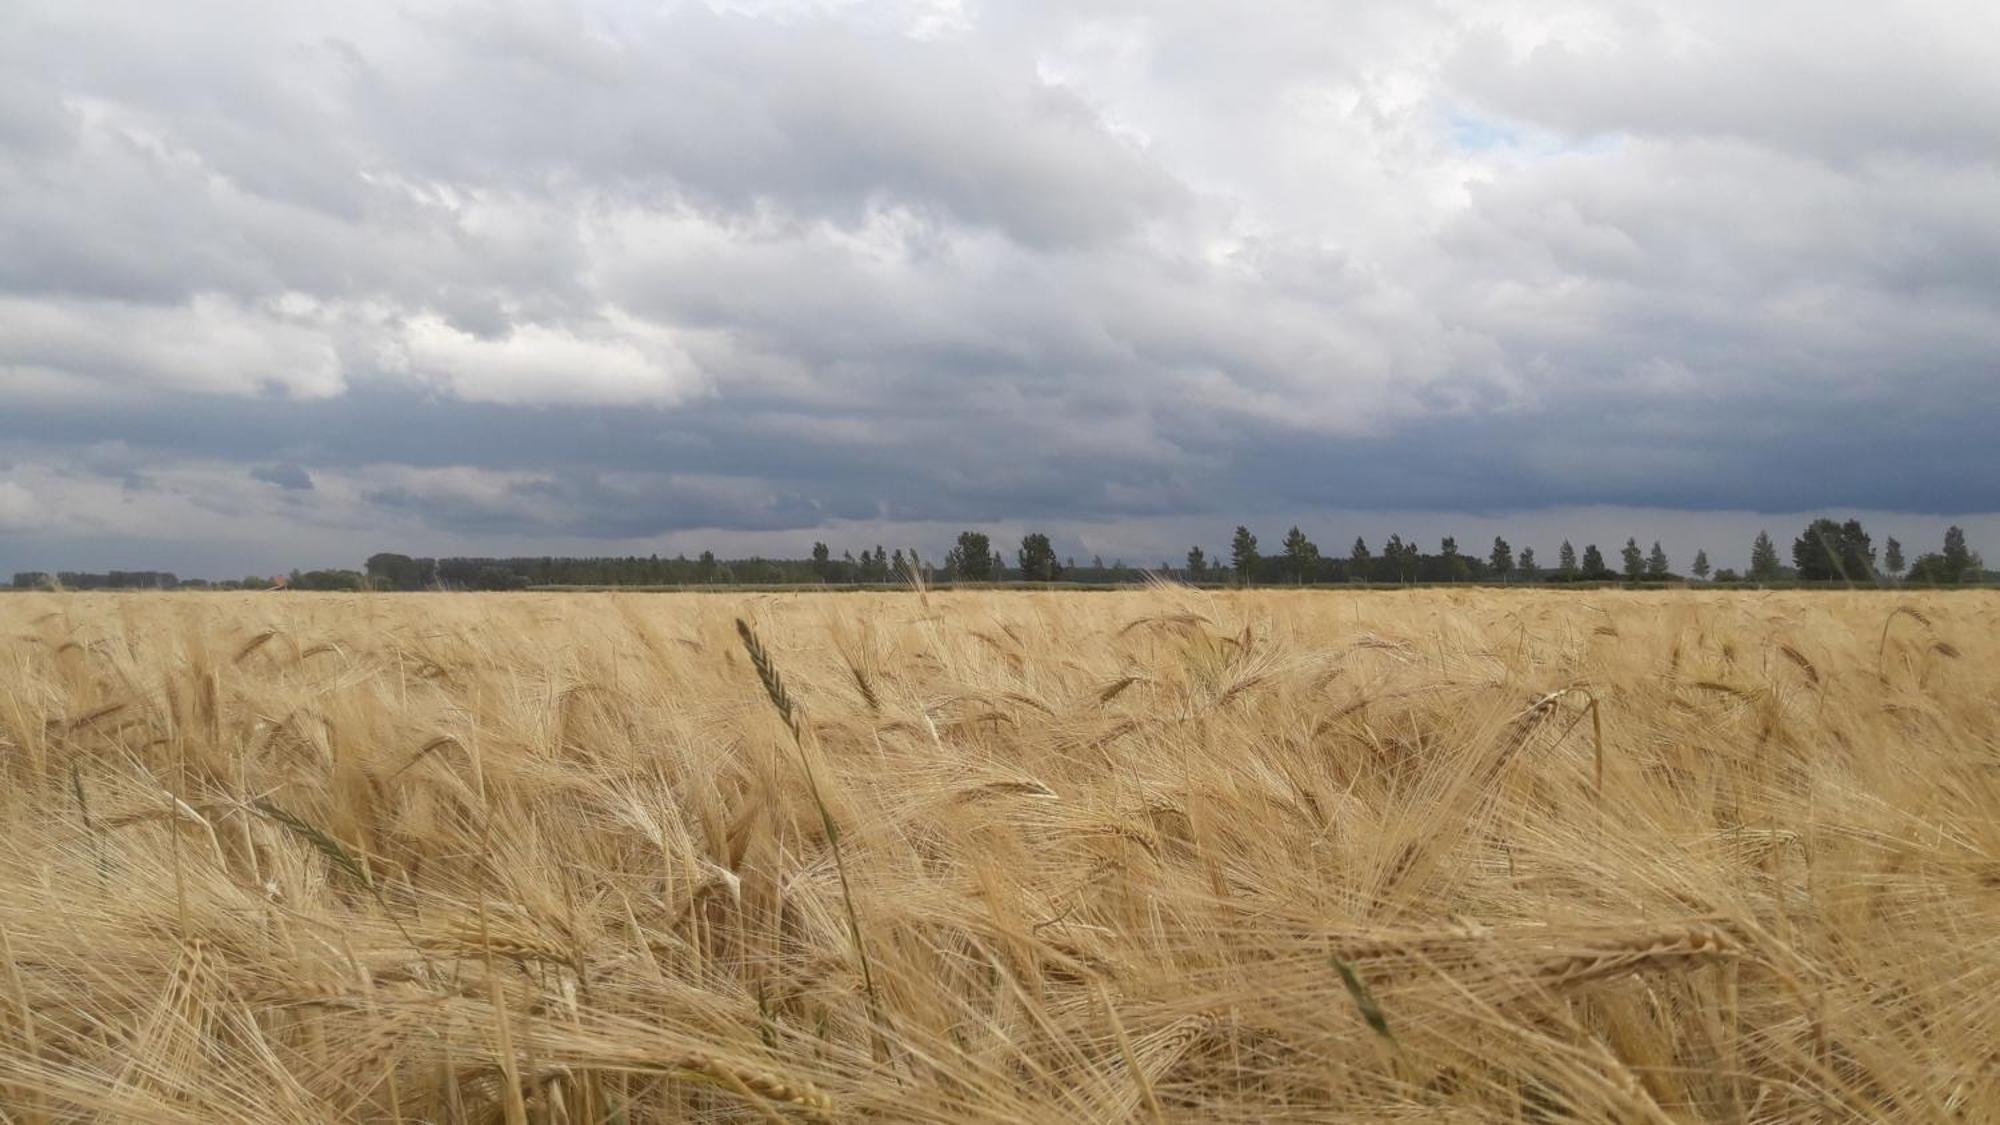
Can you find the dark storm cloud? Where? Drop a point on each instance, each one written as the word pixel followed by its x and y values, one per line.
pixel 603 505
pixel 605 271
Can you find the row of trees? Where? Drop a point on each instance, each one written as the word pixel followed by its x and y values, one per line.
pixel 106 580
pixel 392 571
pixel 166 580
pixel 1826 551
pixel 1402 561
pixel 972 559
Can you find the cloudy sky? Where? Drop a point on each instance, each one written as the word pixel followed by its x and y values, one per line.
pixel 286 284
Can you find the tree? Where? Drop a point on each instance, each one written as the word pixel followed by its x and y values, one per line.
pixel 401 571
pixel 389 571
pixel 1037 559
pixel 1763 558
pixel 1857 551
pixel 386 570
pixel 1593 563
pixel 1957 558
pixel 1956 563
pixel 1197 564
pixel 1357 558
pixel 1657 565
pixel 1451 564
pixel 1566 560
pixel 972 559
pixel 1529 569
pixel 1700 563
pixel 1502 558
pixel 1243 556
pixel 1829 551
pixel 495 579
pixel 1635 560
pixel 1892 557
pixel 705 570
pixel 1300 554
pixel 822 561
pixel 1408 558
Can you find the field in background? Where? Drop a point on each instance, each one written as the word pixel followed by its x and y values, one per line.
pixel 1470 855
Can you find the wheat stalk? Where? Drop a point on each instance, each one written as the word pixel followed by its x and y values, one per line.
pixel 327 845
pixel 1882 649
pixel 781 700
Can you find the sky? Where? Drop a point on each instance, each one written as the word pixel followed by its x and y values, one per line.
pixel 285 285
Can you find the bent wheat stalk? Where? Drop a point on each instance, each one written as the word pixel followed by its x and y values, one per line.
pixel 1546 702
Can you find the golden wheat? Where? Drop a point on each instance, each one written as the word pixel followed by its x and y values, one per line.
pixel 1010 857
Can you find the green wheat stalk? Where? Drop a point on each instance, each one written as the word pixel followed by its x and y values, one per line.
pixel 326 845
pixel 89 822
pixel 1363 999
pixel 337 854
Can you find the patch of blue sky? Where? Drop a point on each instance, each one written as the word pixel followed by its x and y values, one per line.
pixel 1480 134
pixel 1471 132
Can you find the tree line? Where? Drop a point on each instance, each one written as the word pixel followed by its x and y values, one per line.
pixel 167 580
pixel 972 559
pixel 1826 551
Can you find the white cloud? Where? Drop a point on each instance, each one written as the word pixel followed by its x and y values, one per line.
pixel 209 345
pixel 629 362
pixel 19 510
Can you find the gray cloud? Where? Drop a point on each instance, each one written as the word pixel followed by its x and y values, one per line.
pixel 292 478
pixel 599 273
pixel 1918 83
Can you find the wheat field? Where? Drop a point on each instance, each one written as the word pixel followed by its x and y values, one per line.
pixel 1031 857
